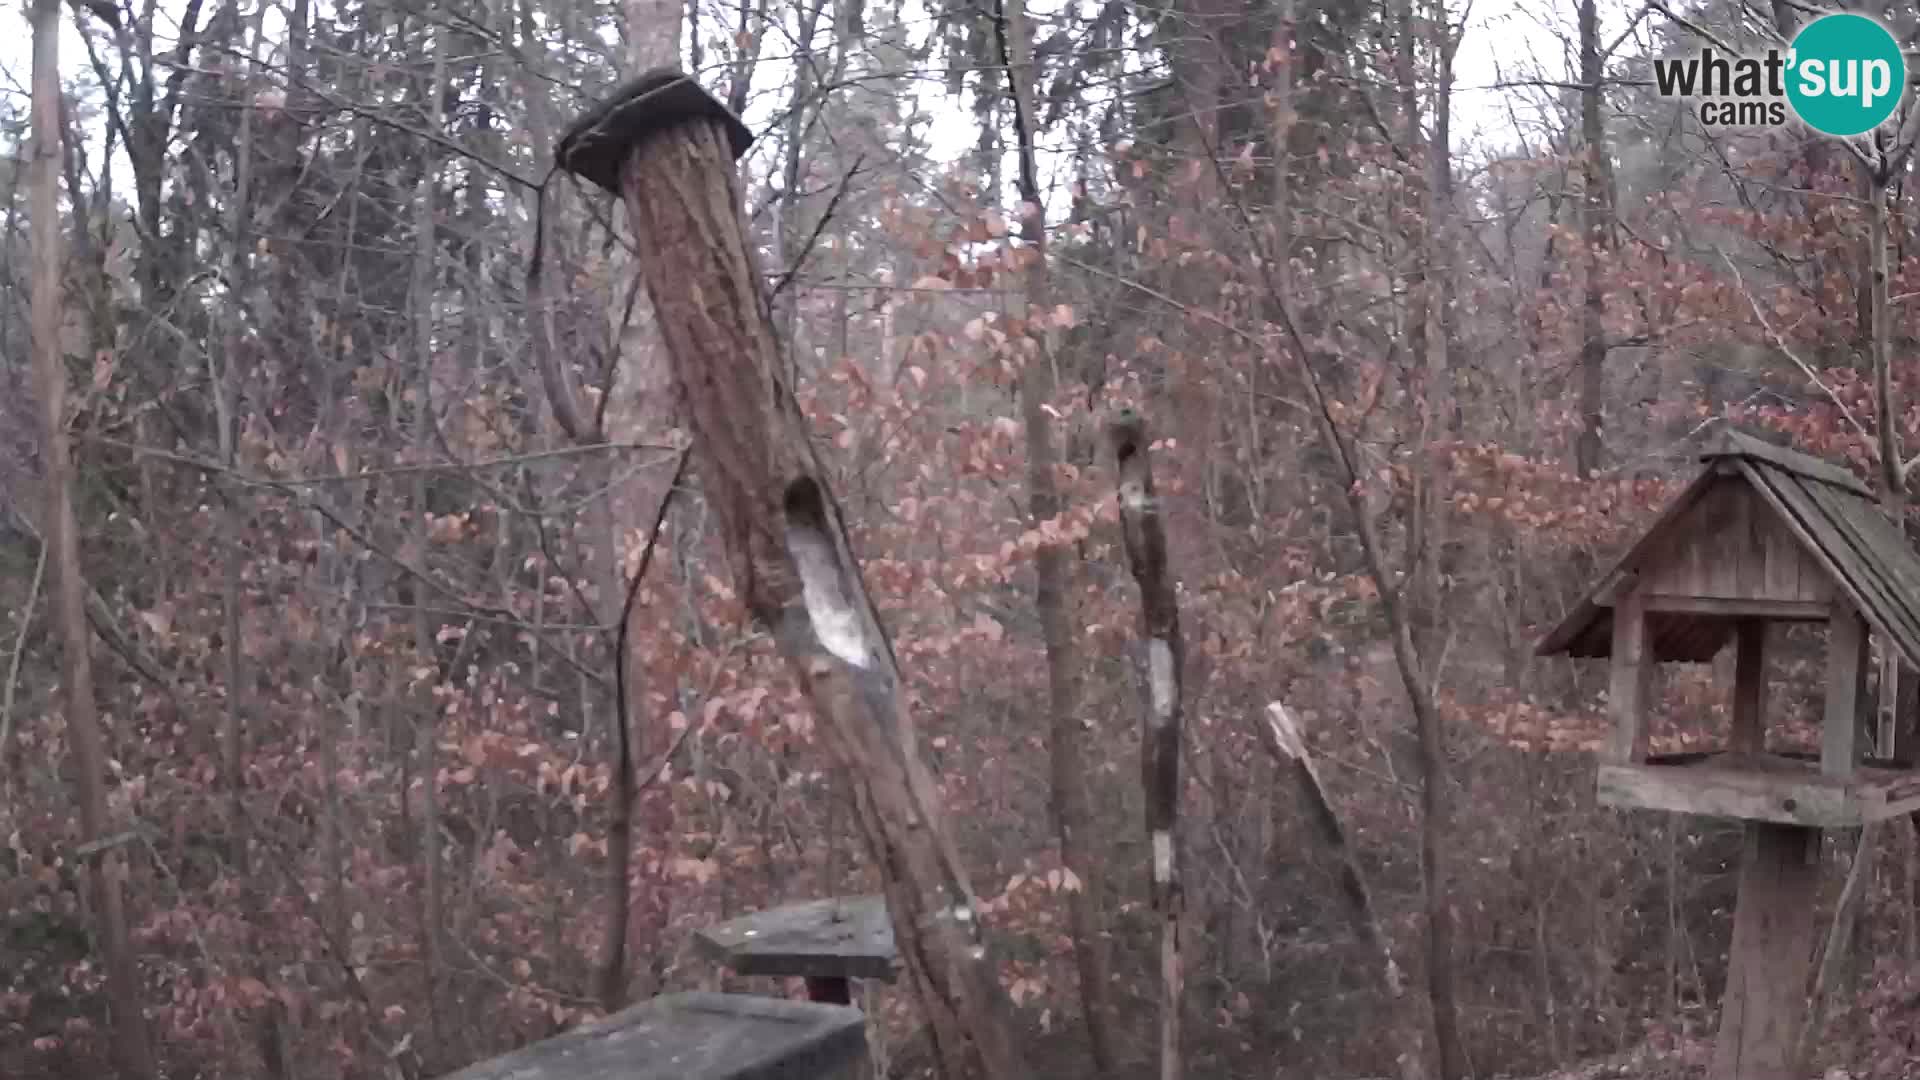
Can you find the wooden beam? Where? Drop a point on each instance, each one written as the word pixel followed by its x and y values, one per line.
pixel 697 1036
pixel 1737 607
pixel 1846 682
pixel 1771 955
pixel 1632 672
pixel 1727 791
pixel 1749 687
pixel 1618 582
pixel 1732 443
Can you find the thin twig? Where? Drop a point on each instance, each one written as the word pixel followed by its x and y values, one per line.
pixel 1781 344
pixel 248 480
pixel 19 652
pixel 819 227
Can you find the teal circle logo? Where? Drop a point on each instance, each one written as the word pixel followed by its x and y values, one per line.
pixel 1846 74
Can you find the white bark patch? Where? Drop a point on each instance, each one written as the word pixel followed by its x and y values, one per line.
pixel 1133 497
pixel 835 622
pixel 1160 680
pixel 1162 856
pixel 1292 743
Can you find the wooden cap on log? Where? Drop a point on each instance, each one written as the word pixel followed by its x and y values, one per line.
pixel 596 144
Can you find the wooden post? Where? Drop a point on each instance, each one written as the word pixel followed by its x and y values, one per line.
pixel 1765 1005
pixel 1846 676
pixel 1145 539
pixel 1749 687
pixel 668 147
pixel 1632 672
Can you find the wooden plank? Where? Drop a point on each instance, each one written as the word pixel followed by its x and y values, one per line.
pixel 1771 956
pixel 1810 525
pixel 1846 682
pixel 1749 687
pixel 1884 552
pixel 1584 612
pixel 1745 569
pixel 1880 554
pixel 1710 552
pixel 697 1037
pixel 1610 590
pixel 1792 571
pixel 1734 443
pixel 1729 792
pixel 839 937
pixel 1741 607
pixel 1731 546
pixel 1631 675
pixel 1886 799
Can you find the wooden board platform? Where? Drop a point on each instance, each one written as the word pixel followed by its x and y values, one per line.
pixel 848 937
pixel 1784 788
pixel 698 1037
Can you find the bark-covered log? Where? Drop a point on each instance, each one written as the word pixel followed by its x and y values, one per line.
pixel 786 541
pixel 1145 538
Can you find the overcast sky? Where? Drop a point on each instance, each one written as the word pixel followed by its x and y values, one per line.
pixel 1505 40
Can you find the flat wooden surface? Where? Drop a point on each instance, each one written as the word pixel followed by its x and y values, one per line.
pixel 845 937
pixel 698 1037
pixel 1780 788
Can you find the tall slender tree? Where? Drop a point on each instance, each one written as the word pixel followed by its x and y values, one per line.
pixel 103 854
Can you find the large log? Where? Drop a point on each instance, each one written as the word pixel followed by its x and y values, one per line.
pixel 784 536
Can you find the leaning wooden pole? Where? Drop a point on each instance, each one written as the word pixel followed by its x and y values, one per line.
pixel 1282 737
pixel 668 148
pixel 1146 543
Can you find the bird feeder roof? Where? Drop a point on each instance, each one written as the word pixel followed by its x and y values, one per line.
pixel 599 140
pixel 1788 508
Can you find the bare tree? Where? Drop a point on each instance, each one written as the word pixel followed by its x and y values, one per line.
pixel 103 855
pixel 1071 817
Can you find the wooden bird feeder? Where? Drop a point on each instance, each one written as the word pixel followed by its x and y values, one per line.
pixel 698 1037
pixel 827 942
pixel 1764 535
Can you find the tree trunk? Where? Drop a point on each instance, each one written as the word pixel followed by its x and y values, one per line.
pixel 1072 816
pixel 1594 226
pixel 226 383
pixel 1834 972
pixel 653 33
pixel 794 571
pixel 106 864
pixel 1346 472
pixel 425 736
